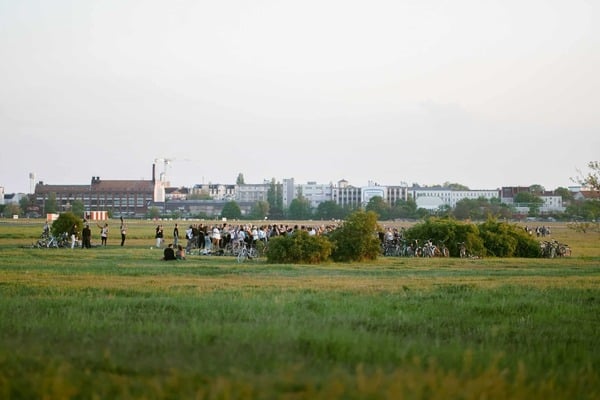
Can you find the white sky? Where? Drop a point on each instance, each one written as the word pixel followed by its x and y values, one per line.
pixel 480 92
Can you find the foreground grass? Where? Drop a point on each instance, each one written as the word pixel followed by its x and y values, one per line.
pixel 119 323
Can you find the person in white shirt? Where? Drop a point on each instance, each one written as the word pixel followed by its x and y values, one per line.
pixel 216 238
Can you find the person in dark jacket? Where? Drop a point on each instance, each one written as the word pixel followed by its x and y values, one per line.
pixel 86 237
pixel 169 253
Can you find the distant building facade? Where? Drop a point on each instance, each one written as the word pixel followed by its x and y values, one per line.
pixel 434 198
pixel 120 197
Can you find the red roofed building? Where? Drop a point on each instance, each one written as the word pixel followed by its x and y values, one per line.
pixel 120 197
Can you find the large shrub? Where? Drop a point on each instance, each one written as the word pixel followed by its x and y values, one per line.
pixel 356 239
pixel 450 232
pixel 65 222
pixel 299 248
pixel 506 240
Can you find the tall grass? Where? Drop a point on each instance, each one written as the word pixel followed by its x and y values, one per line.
pixel 119 323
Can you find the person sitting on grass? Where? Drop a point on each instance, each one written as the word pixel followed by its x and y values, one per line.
pixel 180 253
pixel 169 253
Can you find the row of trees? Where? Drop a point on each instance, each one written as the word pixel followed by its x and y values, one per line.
pixel 466 209
pixel 300 208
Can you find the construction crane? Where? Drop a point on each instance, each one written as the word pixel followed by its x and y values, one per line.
pixel 166 162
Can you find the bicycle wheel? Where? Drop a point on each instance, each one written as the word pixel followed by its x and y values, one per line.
pixel 252 253
pixel 242 255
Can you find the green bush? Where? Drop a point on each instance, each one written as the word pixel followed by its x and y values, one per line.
pixel 449 232
pixel 505 240
pixel 299 248
pixel 64 222
pixel 356 239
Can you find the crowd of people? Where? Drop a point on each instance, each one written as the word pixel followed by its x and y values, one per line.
pixel 206 238
pixel 539 231
pixel 210 239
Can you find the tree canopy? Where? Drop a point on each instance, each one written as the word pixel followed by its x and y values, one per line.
pixel 231 210
pixel 592 178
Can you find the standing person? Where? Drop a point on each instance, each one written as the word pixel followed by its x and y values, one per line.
pixel 86 237
pixel 123 230
pixel 73 234
pixel 159 236
pixel 216 238
pixel 46 231
pixel 175 236
pixel 189 235
pixel 103 233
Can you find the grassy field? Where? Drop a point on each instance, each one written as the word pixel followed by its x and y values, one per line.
pixel 119 323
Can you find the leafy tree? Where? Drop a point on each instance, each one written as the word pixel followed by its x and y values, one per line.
pixel 275 200
pixel 176 214
pixel 240 179
pixel 405 209
pixel 329 210
pixel 298 247
pixel 422 213
pixel 29 206
pixel 50 205
pixel 455 186
pixel 588 210
pixel 77 207
pixel 379 206
pixel 537 189
pixel 465 209
pixel 480 209
pixel 65 222
pixel 565 193
pixel 153 212
pixel 10 210
pixel 444 210
pixel 530 200
pixel 592 179
pixel 26 202
pixel 300 209
pixel 356 239
pixel 527 198
pixel 231 210
pixel 259 210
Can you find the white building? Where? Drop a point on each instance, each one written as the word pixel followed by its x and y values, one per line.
pixel 288 192
pixel 252 192
pixel 315 193
pixel 551 204
pixel 216 191
pixel 434 198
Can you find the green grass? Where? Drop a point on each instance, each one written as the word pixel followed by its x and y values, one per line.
pixel 119 323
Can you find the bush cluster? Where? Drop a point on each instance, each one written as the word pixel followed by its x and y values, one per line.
pixel 299 247
pixel 491 238
pixel 356 240
pixel 449 232
pixel 65 222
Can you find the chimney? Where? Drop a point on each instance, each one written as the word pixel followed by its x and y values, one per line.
pixel 153 172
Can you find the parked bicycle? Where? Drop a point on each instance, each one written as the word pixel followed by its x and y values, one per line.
pixel 246 253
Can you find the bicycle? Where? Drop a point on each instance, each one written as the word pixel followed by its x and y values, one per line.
pixel 462 250
pixel 443 250
pixel 246 253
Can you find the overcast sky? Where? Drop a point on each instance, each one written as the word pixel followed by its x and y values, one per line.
pixel 480 92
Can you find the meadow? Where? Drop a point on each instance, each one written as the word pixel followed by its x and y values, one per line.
pixel 117 322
